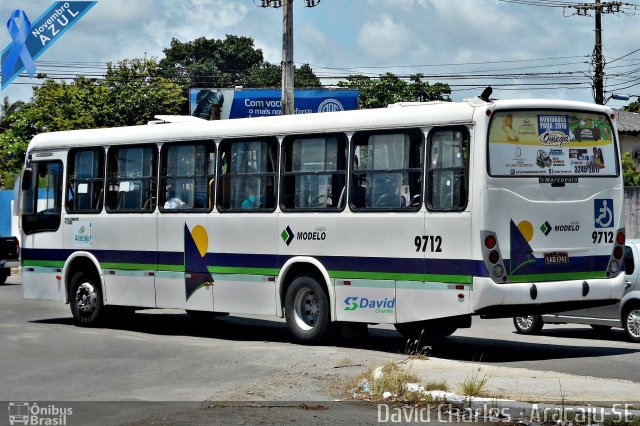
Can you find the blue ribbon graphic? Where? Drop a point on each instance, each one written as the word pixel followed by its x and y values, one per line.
pixel 19 49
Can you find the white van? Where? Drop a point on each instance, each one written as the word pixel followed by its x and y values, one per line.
pixel 625 314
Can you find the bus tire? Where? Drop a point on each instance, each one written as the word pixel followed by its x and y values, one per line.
pixel 631 323
pixel 425 331
pixel 4 274
pixel 306 308
pixel 85 299
pixel 528 324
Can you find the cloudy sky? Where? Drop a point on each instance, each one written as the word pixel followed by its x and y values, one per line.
pixel 453 41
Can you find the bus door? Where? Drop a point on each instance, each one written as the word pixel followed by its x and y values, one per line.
pixel 244 242
pixel 41 227
pixel 375 254
pixel 445 241
pixel 125 238
pixel 185 235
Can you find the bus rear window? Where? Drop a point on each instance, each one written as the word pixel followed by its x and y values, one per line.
pixel 535 143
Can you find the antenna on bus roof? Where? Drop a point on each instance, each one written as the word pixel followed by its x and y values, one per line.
pixel 486 93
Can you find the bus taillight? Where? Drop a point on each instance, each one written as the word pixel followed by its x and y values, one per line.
pixel 492 257
pixel 615 260
pixel 490 242
pixel 617 252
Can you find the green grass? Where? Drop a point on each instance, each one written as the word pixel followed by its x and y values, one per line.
pixel 474 384
pixel 394 379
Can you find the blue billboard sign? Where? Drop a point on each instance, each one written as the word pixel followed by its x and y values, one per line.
pixel 243 103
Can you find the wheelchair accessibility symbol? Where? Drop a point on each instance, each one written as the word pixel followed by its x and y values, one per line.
pixel 603 213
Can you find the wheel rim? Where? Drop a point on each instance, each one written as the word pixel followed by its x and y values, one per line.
pixel 86 298
pixel 306 309
pixel 525 323
pixel 633 323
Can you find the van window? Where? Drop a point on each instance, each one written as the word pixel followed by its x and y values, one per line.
pixel 629 263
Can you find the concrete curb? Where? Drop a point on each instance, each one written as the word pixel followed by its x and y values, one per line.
pixel 525 385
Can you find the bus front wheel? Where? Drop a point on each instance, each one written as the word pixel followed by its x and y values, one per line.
pixel 306 308
pixel 85 299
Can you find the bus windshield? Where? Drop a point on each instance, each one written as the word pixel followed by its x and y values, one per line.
pixel 567 143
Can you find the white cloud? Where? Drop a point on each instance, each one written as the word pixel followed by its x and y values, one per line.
pixel 386 39
pixel 351 34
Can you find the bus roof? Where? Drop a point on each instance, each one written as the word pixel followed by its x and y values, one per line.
pixel 405 114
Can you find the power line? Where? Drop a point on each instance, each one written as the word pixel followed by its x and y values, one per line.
pixel 583 9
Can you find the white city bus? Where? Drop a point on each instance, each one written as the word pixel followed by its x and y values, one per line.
pixel 419 215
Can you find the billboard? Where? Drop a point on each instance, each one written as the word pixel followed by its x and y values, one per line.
pixel 219 104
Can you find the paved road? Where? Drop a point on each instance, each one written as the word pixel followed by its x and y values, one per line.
pixel 164 356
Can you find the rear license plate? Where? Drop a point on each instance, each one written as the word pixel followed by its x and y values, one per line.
pixel 556 257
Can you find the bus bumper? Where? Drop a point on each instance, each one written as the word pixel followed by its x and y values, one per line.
pixel 491 300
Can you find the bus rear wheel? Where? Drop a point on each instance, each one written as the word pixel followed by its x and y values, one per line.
pixel 85 299
pixel 306 307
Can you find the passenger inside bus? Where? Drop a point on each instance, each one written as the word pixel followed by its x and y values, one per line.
pixel 249 201
pixel 173 202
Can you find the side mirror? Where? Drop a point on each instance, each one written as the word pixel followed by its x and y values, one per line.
pixel 27 176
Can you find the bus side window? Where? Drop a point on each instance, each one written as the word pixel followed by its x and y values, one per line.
pixel 448 169
pixel 247 175
pixel 313 172
pixel 85 180
pixel 386 170
pixel 187 176
pixel 132 179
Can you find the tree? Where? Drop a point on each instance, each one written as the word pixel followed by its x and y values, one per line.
pixel 266 74
pixel 133 92
pixel 207 62
pixel 14 140
pixel 630 174
pixel 389 88
pixel 7 109
pixel 136 92
pixel 634 106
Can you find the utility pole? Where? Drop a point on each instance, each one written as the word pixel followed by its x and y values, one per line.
pixel 597 58
pixel 287 49
pixel 287 58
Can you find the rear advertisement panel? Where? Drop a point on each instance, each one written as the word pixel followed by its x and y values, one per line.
pixel 533 143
